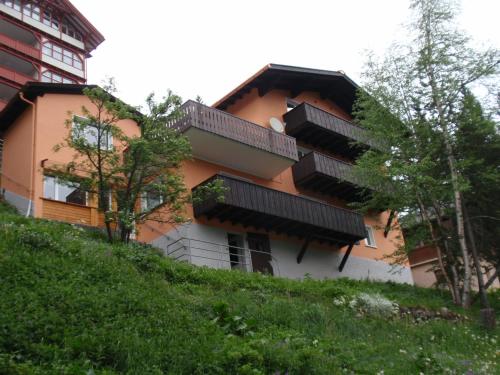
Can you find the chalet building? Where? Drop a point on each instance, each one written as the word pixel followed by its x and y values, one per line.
pixel 45 41
pixel 282 143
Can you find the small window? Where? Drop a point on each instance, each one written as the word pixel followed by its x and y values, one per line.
pixel 68 192
pixel 236 251
pixel 90 133
pixel 150 200
pixel 370 237
pixel 290 104
pixel 302 151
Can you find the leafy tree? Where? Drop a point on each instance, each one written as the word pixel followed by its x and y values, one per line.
pixel 135 178
pixel 412 105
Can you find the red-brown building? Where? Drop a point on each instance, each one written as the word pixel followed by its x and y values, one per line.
pixel 46 41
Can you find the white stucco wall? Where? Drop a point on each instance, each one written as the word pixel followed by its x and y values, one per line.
pixel 316 263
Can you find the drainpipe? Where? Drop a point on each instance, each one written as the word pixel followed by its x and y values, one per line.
pixel 33 154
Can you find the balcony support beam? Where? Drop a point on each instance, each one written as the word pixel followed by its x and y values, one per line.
pixel 303 249
pixel 346 256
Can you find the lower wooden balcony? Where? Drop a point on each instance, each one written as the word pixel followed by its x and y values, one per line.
pixel 324 174
pixel 253 205
pixel 71 213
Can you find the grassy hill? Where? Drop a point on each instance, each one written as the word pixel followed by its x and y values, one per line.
pixel 72 304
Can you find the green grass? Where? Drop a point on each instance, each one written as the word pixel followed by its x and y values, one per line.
pixel 72 304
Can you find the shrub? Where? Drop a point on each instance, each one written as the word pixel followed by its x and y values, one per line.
pixel 35 240
pixel 374 305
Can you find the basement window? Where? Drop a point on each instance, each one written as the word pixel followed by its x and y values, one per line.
pixel 370 237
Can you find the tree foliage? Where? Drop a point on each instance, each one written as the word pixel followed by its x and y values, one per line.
pixel 417 105
pixel 134 178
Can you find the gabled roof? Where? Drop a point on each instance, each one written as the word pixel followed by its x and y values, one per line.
pixel 92 35
pixel 334 85
pixel 31 91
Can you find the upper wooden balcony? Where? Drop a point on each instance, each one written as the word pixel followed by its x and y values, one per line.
pixel 322 129
pixel 253 205
pixel 327 175
pixel 221 138
pixel 21 47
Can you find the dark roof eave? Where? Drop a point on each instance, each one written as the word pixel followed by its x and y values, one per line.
pixel 333 84
pixel 31 91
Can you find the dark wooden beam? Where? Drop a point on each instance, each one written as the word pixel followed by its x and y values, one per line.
pixel 346 255
pixel 389 223
pixel 303 249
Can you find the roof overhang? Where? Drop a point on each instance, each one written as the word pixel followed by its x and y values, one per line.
pixel 31 91
pixel 334 85
pixel 92 36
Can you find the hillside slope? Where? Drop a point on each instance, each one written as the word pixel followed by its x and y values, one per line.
pixel 72 304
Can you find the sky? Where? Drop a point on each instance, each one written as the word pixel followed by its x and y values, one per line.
pixel 207 48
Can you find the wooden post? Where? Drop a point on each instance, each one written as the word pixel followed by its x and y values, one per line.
pixel 303 250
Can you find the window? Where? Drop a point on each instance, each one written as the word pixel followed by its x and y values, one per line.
pixel 49 76
pixel 83 129
pixel 370 238
pixel 69 30
pixel 68 192
pixel 150 200
pixel 236 251
pixel 31 10
pixel 290 104
pixel 61 54
pixel 14 4
pixel 50 20
pixel 302 151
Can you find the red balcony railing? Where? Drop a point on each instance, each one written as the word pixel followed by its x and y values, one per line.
pixel 15 76
pixel 20 46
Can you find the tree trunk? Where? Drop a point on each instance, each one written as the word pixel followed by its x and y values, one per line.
pixel 477 263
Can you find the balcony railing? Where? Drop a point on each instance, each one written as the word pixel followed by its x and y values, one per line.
pixel 327 175
pixel 15 76
pixel 322 129
pixel 20 46
pixel 196 115
pixel 253 205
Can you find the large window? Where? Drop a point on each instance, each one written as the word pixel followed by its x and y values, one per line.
pixel 370 237
pixel 62 54
pixel 83 129
pixel 49 76
pixel 57 190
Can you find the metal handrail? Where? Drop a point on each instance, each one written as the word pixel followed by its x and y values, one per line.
pixel 245 250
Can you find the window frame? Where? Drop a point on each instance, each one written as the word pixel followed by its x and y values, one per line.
pixel 144 200
pixel 57 184
pixel 370 237
pixel 63 55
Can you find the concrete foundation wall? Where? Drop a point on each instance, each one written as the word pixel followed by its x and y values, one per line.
pixel 201 246
pixel 20 203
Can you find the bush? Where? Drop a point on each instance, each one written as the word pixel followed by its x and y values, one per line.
pixel 374 305
pixel 35 240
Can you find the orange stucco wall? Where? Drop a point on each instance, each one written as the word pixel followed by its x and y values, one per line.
pixel 52 111
pixel 16 165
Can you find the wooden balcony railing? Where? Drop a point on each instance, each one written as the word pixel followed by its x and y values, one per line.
pixel 250 204
pixel 328 175
pixel 218 122
pixel 20 46
pixel 15 76
pixel 323 129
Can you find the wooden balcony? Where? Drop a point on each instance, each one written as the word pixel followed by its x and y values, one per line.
pixel 224 139
pixel 322 129
pixel 20 46
pixel 14 76
pixel 327 175
pixel 253 205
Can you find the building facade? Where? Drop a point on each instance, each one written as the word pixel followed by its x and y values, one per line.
pixel 46 41
pixel 283 144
